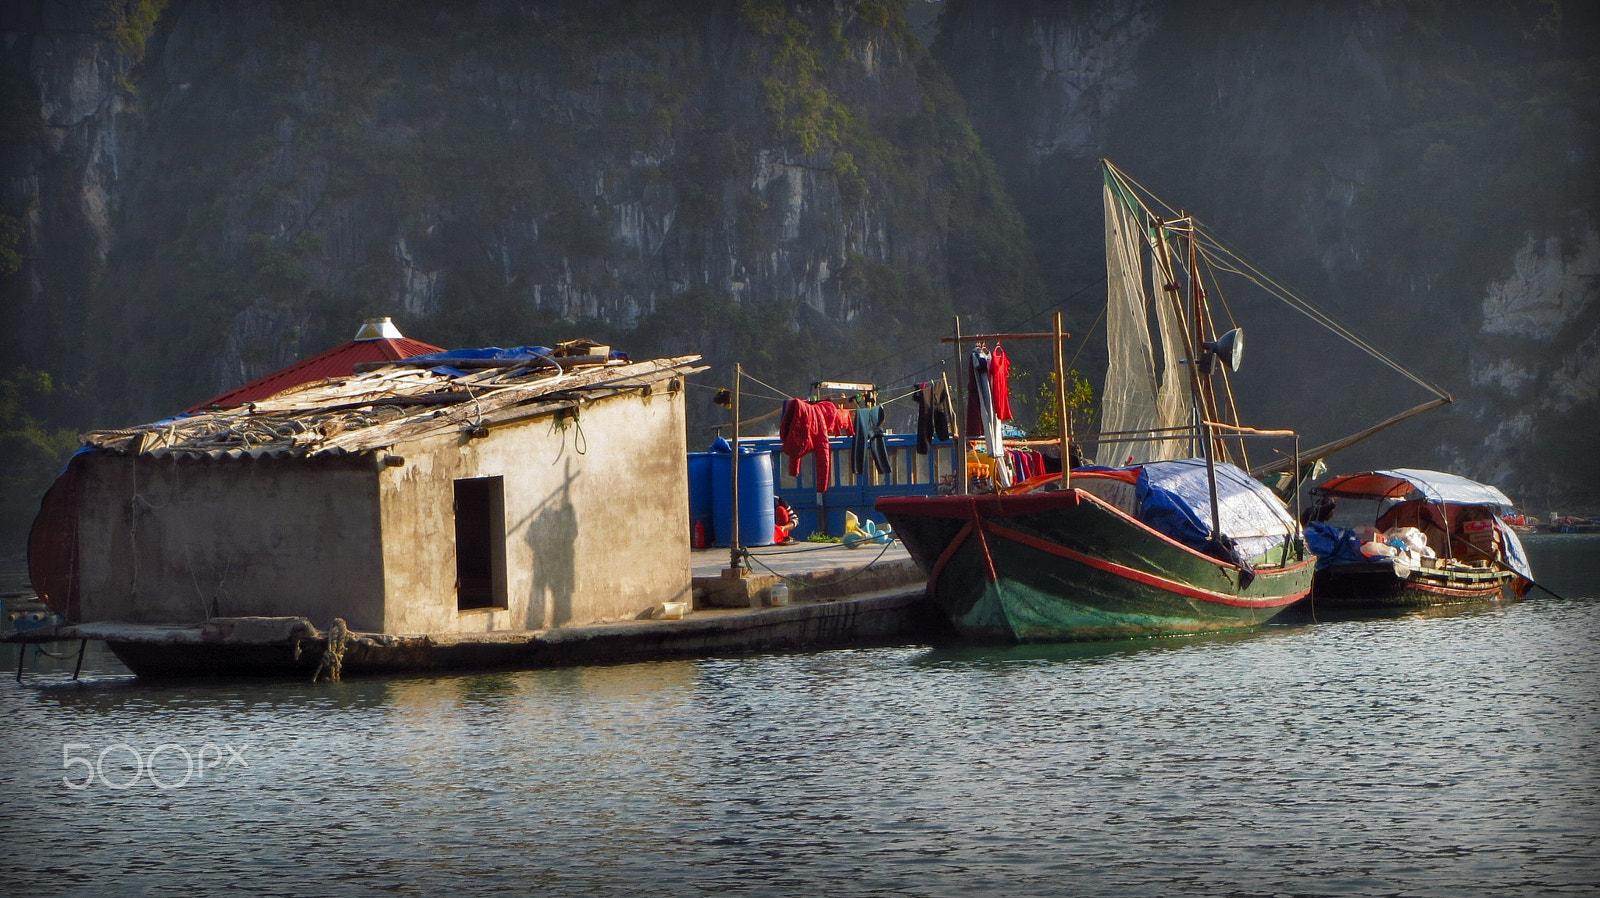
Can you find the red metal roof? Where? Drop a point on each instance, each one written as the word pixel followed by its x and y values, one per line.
pixel 336 362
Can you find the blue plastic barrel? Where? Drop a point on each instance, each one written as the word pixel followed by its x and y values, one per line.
pixel 700 491
pixel 755 498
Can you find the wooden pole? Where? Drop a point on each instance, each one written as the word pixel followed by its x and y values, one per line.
pixel 1063 424
pixel 733 541
pixel 1327 449
pixel 975 338
pixel 961 412
pixel 955 429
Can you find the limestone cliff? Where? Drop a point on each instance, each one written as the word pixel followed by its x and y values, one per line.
pixel 1424 172
pixel 200 191
pixel 493 172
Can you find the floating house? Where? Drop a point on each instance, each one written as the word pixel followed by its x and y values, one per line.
pixel 475 492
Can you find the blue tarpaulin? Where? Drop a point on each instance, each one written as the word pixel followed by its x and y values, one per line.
pixel 1175 498
pixel 1516 557
pixel 1333 545
pixel 515 353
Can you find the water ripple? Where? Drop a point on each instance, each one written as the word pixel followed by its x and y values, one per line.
pixel 1424 755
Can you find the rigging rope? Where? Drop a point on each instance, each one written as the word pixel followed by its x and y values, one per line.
pixel 1219 255
pixel 1255 275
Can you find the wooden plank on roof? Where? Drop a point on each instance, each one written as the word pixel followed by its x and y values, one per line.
pixel 493 400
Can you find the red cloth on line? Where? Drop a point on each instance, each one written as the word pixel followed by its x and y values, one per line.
pixel 999 369
pixel 804 429
pixel 841 421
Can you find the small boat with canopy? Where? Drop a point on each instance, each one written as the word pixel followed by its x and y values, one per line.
pixel 1435 539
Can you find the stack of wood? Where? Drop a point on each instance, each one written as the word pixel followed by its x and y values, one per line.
pixel 372 410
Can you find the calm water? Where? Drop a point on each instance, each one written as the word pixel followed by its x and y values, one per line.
pixel 1424 755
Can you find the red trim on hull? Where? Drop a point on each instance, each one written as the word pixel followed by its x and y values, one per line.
pixel 1151 580
pixel 967 508
pixel 1465 592
pixel 950 551
pixel 970 507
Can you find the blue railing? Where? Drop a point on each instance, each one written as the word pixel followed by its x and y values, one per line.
pixel 910 474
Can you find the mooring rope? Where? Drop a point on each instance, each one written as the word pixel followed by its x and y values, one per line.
pixel 807 584
pixel 332 662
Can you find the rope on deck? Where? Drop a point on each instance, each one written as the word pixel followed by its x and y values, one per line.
pixel 808 584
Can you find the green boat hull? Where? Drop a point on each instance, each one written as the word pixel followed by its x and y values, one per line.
pixel 1063 565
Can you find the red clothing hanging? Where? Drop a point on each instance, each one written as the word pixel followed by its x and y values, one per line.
pixel 999 369
pixel 804 428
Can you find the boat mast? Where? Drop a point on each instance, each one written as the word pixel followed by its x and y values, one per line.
pixel 1207 400
pixel 1191 338
pixel 1169 286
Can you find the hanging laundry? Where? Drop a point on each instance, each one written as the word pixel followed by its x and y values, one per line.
pixel 999 374
pixel 805 428
pixel 934 415
pixel 1037 459
pixel 980 413
pixel 869 438
pixel 840 421
pixel 1020 464
pixel 977 389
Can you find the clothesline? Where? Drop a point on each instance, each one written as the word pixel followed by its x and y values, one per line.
pixel 749 376
pixel 761 396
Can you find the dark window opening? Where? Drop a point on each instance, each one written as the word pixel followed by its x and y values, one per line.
pixel 480 543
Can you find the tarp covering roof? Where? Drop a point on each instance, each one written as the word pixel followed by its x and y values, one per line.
pixel 375 410
pixel 1175 498
pixel 339 361
pixel 1413 485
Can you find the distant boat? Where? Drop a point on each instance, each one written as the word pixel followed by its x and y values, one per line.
pixel 1571 524
pixel 1437 539
pixel 1520 522
pixel 1176 539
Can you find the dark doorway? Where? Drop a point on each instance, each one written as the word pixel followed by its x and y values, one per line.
pixel 480 543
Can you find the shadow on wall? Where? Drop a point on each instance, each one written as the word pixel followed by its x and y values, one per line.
pixel 551 530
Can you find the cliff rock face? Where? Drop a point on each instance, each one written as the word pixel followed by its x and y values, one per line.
pixel 1425 173
pixel 485 172
pixel 202 191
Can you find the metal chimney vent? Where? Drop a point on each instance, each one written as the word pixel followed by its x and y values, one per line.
pixel 378 329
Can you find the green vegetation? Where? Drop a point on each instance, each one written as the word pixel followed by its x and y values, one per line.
pixel 130 23
pixel 805 110
pixel 1081 408
pixel 10 243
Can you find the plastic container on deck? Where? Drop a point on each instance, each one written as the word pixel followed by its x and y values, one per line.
pixel 755 498
pixel 700 492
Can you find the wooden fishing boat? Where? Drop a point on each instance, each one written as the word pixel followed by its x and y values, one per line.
pixel 1176 539
pixel 1046 563
pixel 1436 539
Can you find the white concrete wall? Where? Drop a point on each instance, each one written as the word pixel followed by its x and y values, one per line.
pixel 164 541
pixel 596 519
